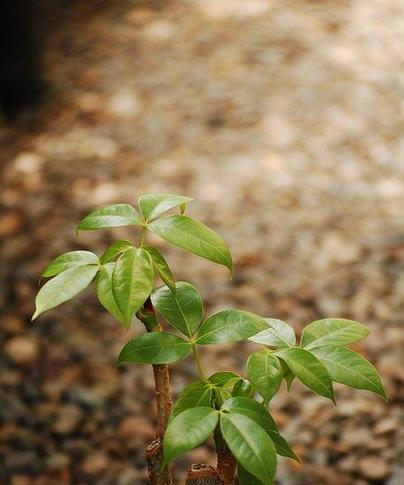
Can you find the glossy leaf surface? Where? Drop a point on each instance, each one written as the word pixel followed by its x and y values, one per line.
pixel 251 408
pixel 183 309
pixel 116 215
pixel 132 281
pixel 196 394
pixel 265 373
pixel 250 444
pixel 155 348
pixel 104 291
pixel 63 287
pixel 193 236
pixel 229 326
pixel 308 369
pixel 153 205
pixel 69 260
pixel 161 265
pixel 347 367
pixel 278 334
pixel 223 379
pixel 115 250
pixel 333 331
pixel 188 430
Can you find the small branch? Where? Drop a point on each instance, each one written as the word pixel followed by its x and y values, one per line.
pixel 202 475
pixel 154 451
pixel 163 397
pixel 154 460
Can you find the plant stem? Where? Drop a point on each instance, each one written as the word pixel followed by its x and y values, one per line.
pixel 226 463
pixel 198 362
pixel 163 403
pixel 202 475
pixel 142 235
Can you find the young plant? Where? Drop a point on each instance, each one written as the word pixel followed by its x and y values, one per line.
pixel 231 407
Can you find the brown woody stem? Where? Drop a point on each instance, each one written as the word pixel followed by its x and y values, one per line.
pixel 202 475
pixel 154 460
pixel 226 463
pixel 154 451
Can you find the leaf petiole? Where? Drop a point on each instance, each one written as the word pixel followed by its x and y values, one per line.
pixel 198 362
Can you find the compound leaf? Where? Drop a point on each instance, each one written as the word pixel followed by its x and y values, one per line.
pixel 183 309
pixel 155 348
pixel 63 287
pixel 229 326
pixel 193 236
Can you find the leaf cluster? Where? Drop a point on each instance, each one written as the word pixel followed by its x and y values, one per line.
pixel 228 404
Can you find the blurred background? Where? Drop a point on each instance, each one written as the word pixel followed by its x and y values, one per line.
pixel 284 121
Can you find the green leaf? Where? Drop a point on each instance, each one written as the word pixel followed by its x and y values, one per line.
pixel 221 395
pixel 250 444
pixel 265 373
pixel 332 331
pixel 132 281
pixel 188 430
pixel 161 266
pixel 245 478
pixel 63 287
pixel 224 379
pixel 282 446
pixel 191 235
pixel 243 388
pixel 308 369
pixel 350 368
pixel 252 409
pixel 194 395
pixel 115 250
pixel 229 326
pixel 104 291
pixel 153 205
pixel 155 348
pixel 69 260
pixel 279 334
pixel 116 215
pixel 183 309
pixel 258 413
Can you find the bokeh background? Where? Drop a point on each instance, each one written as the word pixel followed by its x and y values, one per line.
pixel 284 121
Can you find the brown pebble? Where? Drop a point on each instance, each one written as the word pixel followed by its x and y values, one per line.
pixel 136 427
pixel 95 463
pixel 373 467
pixel 10 223
pixel 22 350
pixel 387 425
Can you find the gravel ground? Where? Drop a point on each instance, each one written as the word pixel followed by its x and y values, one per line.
pixel 284 121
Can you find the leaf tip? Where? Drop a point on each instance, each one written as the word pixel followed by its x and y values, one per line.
pixel 35 315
